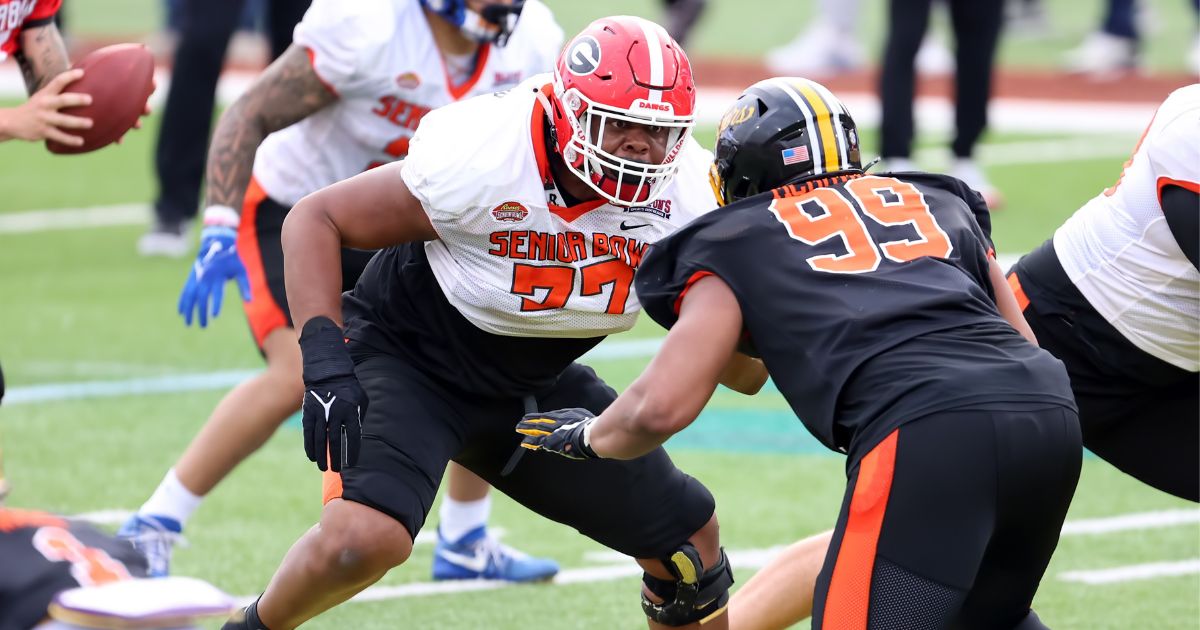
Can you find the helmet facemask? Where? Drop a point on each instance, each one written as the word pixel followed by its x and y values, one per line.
pixel 493 25
pixel 621 181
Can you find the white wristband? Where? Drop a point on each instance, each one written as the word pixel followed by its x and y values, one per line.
pixel 222 216
pixel 587 432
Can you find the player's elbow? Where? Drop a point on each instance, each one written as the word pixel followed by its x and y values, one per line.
pixel 309 218
pixel 658 417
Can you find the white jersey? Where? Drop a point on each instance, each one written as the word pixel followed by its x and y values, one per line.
pixel 1119 251
pixel 510 258
pixel 379 57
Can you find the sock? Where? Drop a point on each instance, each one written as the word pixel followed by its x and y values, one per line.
pixel 457 518
pixel 246 619
pixel 172 499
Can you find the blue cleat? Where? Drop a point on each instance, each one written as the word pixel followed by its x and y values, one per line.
pixel 478 556
pixel 155 537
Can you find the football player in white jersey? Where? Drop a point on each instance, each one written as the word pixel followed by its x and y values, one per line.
pixel 345 97
pixel 510 237
pixel 1115 295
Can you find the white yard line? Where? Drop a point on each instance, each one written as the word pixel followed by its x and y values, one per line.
pixel 205 381
pixel 1132 572
pixel 1131 522
pixel 613 565
pixel 75 218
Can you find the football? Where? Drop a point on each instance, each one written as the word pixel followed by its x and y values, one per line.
pixel 119 78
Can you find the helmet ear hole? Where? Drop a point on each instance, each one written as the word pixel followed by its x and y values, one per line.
pixel 744 188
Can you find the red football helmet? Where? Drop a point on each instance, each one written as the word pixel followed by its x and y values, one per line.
pixel 628 69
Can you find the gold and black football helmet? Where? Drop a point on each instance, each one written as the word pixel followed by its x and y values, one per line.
pixel 782 131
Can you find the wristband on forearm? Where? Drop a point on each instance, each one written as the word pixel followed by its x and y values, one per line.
pixel 324 350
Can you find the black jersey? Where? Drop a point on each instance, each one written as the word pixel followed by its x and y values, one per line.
pixel 42 555
pixel 399 307
pixel 868 298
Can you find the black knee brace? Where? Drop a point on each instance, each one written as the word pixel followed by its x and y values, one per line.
pixel 694 595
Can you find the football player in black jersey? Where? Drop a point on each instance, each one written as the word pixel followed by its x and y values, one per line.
pixel 880 311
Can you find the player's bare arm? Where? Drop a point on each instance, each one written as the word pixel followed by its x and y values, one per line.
pixel 287 92
pixel 371 210
pixel 1006 302
pixel 670 393
pixel 744 374
pixel 42 56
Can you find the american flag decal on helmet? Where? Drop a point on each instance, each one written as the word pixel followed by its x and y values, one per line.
pixel 795 155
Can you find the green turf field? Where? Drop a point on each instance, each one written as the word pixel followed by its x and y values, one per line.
pixel 78 305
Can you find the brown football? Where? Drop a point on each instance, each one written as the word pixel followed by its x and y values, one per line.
pixel 120 78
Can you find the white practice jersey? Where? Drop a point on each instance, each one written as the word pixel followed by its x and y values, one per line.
pixel 1120 253
pixel 510 258
pixel 380 58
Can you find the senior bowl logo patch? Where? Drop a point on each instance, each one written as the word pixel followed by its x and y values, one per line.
pixel 408 80
pixel 510 212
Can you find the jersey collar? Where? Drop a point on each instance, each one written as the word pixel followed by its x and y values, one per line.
pixel 461 90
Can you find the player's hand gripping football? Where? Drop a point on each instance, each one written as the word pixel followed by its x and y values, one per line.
pixel 40 117
pixel 334 401
pixel 562 432
pixel 216 263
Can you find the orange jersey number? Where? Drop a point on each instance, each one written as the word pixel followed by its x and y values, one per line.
pixel 559 282
pixel 89 566
pixel 824 214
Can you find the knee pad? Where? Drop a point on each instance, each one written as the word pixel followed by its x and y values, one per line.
pixel 694 595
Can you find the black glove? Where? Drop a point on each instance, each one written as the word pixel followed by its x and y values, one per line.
pixel 562 432
pixel 334 402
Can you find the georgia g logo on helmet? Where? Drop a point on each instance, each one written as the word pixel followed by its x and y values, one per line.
pixel 584 57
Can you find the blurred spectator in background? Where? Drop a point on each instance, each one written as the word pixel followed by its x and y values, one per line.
pixel 1115 49
pixel 248 45
pixel 1027 18
pixel 976 32
pixel 682 15
pixel 1112 50
pixel 205 31
pixel 830 46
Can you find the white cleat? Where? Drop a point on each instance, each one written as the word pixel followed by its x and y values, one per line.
pixel 1103 57
pixel 822 50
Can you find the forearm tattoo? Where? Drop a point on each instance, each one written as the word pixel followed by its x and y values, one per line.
pixel 287 92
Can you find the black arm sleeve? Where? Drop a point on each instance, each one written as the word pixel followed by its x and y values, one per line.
pixel 1182 209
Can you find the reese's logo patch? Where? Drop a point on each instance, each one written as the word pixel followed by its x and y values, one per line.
pixel 510 212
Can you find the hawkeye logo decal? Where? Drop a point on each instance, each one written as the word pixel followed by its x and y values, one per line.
pixel 510 212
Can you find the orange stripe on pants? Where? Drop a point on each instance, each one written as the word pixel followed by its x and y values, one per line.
pixel 850 586
pixel 331 486
pixel 262 311
pixel 1015 284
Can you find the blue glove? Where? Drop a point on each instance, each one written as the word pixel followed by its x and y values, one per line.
pixel 216 263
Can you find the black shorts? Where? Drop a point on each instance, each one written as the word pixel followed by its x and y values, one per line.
pixel 1137 411
pixel 416 423
pixel 262 253
pixel 950 522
